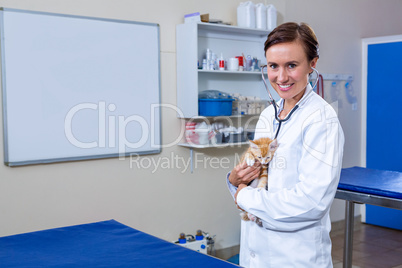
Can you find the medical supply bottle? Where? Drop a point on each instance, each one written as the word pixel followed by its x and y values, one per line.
pixel 246 15
pixel 271 17
pixel 204 64
pixel 209 58
pixel 213 65
pixel 260 16
pixel 182 238
pixel 221 63
pixel 199 235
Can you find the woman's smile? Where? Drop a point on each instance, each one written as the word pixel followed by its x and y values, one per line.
pixel 285 87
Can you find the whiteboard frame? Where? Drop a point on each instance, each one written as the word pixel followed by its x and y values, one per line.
pixel 73 158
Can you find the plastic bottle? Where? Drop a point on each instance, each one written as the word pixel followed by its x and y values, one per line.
pixel 255 66
pixel 335 93
pixel 271 17
pixel 246 15
pixel 241 15
pixel 260 16
pixel 182 238
pixel 199 235
pixel 350 94
pixel 204 64
pixel 208 54
pixel 213 65
pixel 209 58
pixel 221 63
pixel 248 63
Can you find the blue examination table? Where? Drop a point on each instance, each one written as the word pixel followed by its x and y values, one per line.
pixel 366 186
pixel 111 244
pixel 100 244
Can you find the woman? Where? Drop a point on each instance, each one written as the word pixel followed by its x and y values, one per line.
pixel 304 173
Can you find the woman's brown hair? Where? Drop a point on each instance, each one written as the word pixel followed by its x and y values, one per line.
pixel 290 32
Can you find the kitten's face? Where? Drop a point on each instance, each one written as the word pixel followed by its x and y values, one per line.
pixel 263 156
pixel 263 149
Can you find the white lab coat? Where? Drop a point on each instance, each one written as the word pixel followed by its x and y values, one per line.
pixel 302 181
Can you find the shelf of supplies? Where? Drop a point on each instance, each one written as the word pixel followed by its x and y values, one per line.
pixel 229 72
pixel 197 146
pixel 192 41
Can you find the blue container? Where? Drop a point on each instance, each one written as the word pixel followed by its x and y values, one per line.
pixel 215 107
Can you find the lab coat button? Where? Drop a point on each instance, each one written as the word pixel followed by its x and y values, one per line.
pixel 252 254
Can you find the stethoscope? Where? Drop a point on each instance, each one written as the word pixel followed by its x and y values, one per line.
pixel 276 106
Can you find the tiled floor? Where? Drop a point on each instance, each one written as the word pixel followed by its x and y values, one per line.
pixel 373 247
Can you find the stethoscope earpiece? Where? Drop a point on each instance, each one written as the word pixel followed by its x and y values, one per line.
pixel 317 78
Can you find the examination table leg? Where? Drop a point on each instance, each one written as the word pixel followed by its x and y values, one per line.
pixel 348 246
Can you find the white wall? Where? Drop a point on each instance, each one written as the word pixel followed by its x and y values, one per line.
pixel 171 200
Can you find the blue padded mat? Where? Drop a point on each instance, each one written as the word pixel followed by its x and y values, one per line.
pixel 372 181
pixel 100 244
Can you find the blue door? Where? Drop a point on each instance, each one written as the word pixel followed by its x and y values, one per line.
pixel 384 123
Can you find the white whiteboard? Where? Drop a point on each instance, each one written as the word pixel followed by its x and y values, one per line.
pixel 78 88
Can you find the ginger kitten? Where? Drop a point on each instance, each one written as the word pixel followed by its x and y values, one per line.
pixel 261 150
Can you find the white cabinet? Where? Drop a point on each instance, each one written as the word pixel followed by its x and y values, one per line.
pixel 192 41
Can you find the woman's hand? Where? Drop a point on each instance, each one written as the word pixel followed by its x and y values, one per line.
pixel 241 186
pixel 244 174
